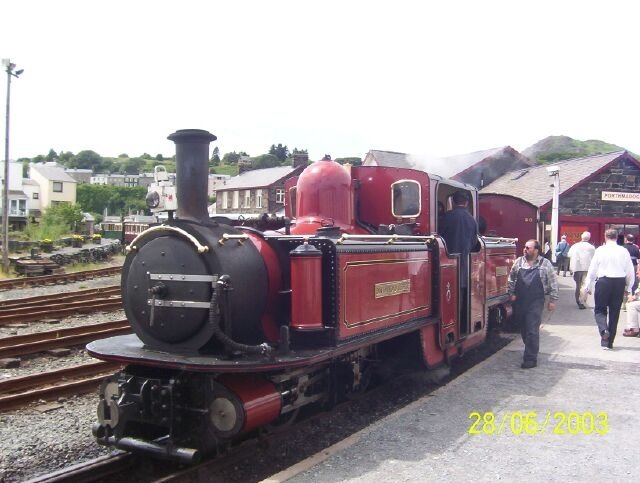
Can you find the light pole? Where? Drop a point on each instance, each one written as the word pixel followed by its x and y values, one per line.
pixel 5 192
pixel 555 172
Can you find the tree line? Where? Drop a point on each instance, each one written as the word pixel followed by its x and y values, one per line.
pixel 277 155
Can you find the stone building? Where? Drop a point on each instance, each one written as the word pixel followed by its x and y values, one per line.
pixel 258 191
pixel 596 193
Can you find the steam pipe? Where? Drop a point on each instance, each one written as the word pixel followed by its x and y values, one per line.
pixel 214 319
pixel 192 173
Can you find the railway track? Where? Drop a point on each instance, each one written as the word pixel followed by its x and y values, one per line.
pixel 286 448
pixel 58 279
pixel 60 305
pixel 20 345
pixel 50 385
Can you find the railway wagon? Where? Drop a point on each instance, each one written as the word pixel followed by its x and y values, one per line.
pixel 236 329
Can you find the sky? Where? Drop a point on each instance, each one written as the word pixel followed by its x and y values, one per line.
pixel 431 78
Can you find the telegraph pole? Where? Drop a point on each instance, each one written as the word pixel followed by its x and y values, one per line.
pixel 9 68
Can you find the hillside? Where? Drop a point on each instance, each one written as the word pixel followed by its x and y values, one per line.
pixel 557 148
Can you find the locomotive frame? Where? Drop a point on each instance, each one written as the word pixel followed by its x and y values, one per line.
pixel 236 328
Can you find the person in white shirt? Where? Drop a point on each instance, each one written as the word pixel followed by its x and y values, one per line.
pixel 580 255
pixel 611 271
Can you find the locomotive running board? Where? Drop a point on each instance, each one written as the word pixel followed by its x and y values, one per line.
pixel 128 349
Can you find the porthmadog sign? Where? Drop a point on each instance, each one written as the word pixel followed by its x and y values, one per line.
pixel 620 196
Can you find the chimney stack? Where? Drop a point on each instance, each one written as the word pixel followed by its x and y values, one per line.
pixel 300 159
pixel 192 173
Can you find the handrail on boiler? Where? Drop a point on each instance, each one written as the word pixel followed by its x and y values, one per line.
pixel 497 239
pixel 389 239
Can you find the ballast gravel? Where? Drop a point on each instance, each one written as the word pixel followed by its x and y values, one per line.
pixel 47 436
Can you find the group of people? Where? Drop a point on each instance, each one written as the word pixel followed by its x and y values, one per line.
pixel 610 272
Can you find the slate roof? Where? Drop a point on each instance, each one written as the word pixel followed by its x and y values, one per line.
pixel 258 178
pixel 532 184
pixel 389 159
pixel 53 173
pixel 483 167
pixel 449 166
pixel 466 168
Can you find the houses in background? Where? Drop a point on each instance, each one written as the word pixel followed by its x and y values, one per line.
pixel 28 197
pixel 259 191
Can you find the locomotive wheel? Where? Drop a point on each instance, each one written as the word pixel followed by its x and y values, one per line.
pixel 283 422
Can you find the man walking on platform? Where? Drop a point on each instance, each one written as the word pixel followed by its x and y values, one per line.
pixel 612 273
pixel 580 255
pixel 562 256
pixel 531 280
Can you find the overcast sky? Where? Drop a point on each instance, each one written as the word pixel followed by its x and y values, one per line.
pixel 338 77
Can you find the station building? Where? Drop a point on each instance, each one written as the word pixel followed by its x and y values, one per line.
pixel 596 193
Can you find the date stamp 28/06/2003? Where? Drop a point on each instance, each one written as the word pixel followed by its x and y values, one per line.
pixel 531 423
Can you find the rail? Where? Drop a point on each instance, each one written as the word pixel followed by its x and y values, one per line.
pixel 20 345
pixel 18 391
pixel 55 279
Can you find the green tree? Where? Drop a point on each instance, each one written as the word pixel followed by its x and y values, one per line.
pixel 159 157
pixel 123 155
pixel 86 160
pixel 108 165
pixel 25 166
pixel 65 156
pixel 281 152
pixel 231 158
pixel 264 161
pixel 132 165
pixel 65 216
pixel 118 200
pixel 52 155
pixel 215 157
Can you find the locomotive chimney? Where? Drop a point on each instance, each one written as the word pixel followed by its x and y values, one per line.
pixel 192 173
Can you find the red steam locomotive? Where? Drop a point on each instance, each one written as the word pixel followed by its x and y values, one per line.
pixel 236 329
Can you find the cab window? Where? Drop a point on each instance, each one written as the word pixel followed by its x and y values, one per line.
pixel 405 199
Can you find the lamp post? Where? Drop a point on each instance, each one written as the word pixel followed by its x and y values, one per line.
pixel 555 172
pixel 9 69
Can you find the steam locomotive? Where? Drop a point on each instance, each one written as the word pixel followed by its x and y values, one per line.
pixel 237 329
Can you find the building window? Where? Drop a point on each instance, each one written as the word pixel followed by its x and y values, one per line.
pixel 57 187
pixel 280 196
pixel 247 199
pixel 258 198
pixel 225 199
pixel 36 196
pixel 236 199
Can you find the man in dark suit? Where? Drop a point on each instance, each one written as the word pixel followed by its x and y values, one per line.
pixel 460 232
pixel 458 228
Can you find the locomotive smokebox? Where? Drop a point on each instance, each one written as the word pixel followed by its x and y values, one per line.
pixel 192 173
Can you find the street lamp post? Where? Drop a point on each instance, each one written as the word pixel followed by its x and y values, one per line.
pixel 555 172
pixel 9 69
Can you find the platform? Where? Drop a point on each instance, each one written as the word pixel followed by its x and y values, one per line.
pixel 429 440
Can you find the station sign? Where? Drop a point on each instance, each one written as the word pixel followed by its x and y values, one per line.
pixel 620 196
